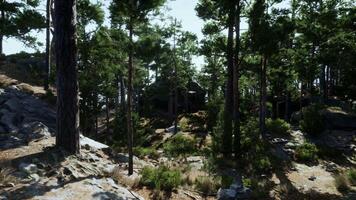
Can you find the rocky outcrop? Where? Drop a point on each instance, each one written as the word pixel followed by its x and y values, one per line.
pixel 44 172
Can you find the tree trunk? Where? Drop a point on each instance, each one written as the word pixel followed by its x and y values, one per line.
pixel 1 34
pixel 48 45
pixel 67 78
pixel 227 135
pixel 129 100
pixel 107 102
pixel 287 104
pixel 263 97
pixel 175 82
pixel 237 137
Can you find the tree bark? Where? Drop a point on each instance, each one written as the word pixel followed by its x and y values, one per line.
pixel 263 97
pixel 129 100
pixel 228 111
pixel 48 45
pixel 67 78
pixel 237 137
pixel 107 103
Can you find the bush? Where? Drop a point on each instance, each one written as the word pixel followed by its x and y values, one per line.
pixel 179 145
pixel 161 178
pixel 351 175
pixel 306 152
pixel 141 152
pixel 207 185
pixel 262 164
pixel 312 122
pixel 278 126
pixel 184 124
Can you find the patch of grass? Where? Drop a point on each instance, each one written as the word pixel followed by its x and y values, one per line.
pixel 161 178
pixel 351 175
pixel 122 178
pixel 142 152
pixel 179 145
pixel 207 185
pixel 306 152
pixel 342 183
pixel 278 127
pixel 6 176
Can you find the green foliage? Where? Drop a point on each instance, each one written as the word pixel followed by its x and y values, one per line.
pixel 161 178
pixel 278 127
pixel 351 175
pixel 254 148
pixel 179 145
pixel 142 152
pixel 312 122
pixel 306 152
pixel 184 124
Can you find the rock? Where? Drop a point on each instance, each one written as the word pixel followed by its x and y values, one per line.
pixel 226 194
pixel 28 168
pixel 35 130
pixel 339 120
pixel 7 120
pixel 279 141
pixel 35 177
pixel 13 104
pixel 331 167
pixel 171 129
pixel 84 141
pixel 312 178
pixel 108 169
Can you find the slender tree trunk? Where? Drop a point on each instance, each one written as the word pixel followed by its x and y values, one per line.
pixel 237 137
pixel 1 33
pixel 263 97
pixel 175 82
pixel 107 109
pixel 129 100
pixel 67 78
pixel 287 104
pixel 122 94
pixel 228 111
pixel 48 45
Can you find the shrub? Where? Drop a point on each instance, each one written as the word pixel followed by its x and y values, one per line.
pixel 184 124
pixel 312 122
pixel 262 164
pixel 342 183
pixel 179 145
pixel 306 152
pixel 278 126
pixel 351 175
pixel 161 178
pixel 206 185
pixel 141 152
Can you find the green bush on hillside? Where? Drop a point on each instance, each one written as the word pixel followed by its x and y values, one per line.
pixel 312 122
pixel 179 145
pixel 306 152
pixel 278 126
pixel 161 178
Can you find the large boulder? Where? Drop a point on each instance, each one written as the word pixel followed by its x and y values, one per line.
pixel 339 120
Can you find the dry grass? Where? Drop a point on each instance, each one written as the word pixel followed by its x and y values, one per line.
pixel 121 177
pixel 342 183
pixel 6 176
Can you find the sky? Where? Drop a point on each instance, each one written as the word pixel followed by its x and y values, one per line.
pixel 182 10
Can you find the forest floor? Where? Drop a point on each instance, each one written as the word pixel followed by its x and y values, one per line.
pixel 32 168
